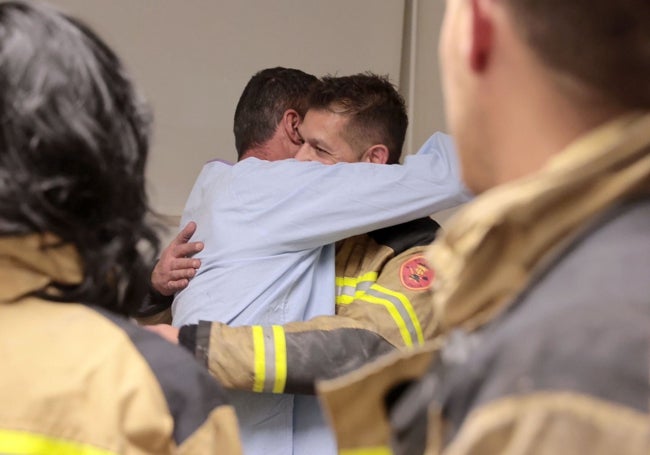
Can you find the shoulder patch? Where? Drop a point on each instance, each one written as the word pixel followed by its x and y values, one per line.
pixel 415 274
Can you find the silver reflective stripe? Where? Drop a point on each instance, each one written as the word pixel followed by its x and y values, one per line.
pixel 345 290
pixel 269 359
pixel 406 320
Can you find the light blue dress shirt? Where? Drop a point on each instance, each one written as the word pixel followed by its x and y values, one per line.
pixel 269 230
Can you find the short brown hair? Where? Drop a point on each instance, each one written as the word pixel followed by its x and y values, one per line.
pixel 604 45
pixel 376 111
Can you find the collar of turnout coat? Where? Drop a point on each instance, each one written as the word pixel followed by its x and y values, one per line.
pixel 494 245
pixel 32 262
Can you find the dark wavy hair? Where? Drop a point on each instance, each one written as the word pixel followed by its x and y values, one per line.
pixel 376 111
pixel 74 138
pixel 267 95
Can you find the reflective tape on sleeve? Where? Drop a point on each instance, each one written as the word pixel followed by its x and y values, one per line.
pixel 269 344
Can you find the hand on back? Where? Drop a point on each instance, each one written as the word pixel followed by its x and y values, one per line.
pixel 176 267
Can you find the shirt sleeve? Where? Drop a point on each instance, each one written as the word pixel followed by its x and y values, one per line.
pixel 308 204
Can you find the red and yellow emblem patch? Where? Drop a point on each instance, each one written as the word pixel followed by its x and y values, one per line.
pixel 416 274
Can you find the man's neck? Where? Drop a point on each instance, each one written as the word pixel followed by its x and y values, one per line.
pixel 261 153
pixel 532 118
pixel 278 147
pixel 529 141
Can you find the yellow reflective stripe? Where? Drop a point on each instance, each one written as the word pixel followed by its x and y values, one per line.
pixel 399 321
pixel 259 361
pixel 407 306
pixel 353 283
pixel 345 299
pixel 382 450
pixel 24 443
pixel 345 281
pixel 280 359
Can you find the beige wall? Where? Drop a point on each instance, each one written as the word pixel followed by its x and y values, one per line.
pixel 420 80
pixel 192 58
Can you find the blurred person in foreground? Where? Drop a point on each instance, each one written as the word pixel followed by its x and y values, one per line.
pixel 542 294
pixel 74 253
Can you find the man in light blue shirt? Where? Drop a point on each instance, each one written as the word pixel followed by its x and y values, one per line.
pixel 269 229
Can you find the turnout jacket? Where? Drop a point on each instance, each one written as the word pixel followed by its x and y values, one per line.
pixel 81 380
pixel 382 303
pixel 542 312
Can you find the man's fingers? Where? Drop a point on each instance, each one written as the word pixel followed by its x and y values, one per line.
pixel 184 263
pixel 178 274
pixel 174 269
pixel 186 233
pixel 187 249
pixel 181 245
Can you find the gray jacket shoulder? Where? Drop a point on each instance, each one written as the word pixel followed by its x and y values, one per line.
pixel 581 326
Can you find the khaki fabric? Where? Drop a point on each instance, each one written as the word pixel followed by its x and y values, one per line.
pixel 354 403
pixel 219 432
pixel 550 424
pixel 492 247
pixel 490 252
pixel 75 382
pixel 33 262
pixel 375 313
pixel 61 403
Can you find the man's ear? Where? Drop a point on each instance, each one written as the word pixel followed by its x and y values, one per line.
pixel 377 154
pixel 482 35
pixel 290 121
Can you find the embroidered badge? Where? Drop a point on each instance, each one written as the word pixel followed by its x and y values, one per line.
pixel 416 274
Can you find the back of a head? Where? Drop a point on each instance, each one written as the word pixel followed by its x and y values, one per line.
pixel 266 97
pixel 376 111
pixel 73 146
pixel 599 49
